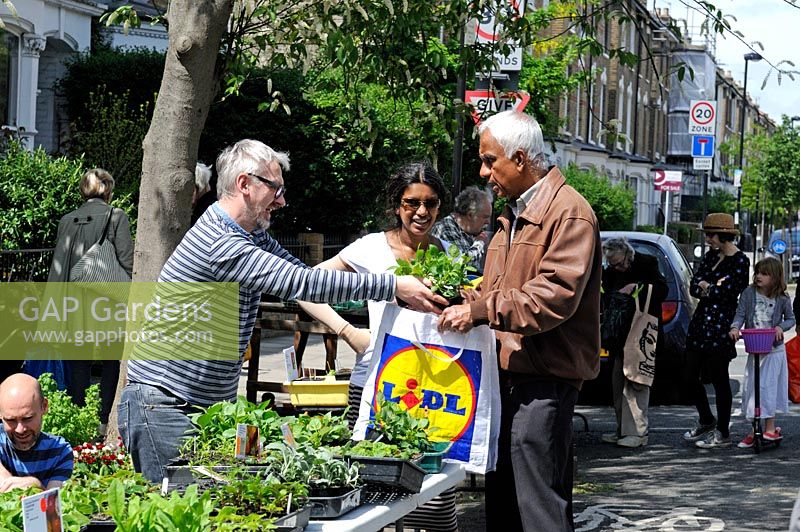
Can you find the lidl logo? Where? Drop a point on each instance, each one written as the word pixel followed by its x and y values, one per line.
pixel 438 382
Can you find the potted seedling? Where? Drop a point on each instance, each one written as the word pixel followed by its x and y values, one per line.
pixel 448 271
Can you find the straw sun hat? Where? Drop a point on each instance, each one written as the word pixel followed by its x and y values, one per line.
pixel 720 222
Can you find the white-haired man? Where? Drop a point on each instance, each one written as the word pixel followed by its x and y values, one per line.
pixel 541 293
pixel 229 243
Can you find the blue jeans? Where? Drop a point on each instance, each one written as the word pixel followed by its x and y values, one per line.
pixel 152 424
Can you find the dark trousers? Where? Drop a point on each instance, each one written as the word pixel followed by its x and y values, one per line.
pixel 531 488
pixel 715 372
pixel 80 373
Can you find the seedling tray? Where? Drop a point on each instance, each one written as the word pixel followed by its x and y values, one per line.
pixel 395 472
pixel 100 526
pixel 295 521
pixel 179 477
pixel 333 506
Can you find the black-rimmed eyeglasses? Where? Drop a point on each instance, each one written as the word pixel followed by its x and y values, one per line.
pixel 414 204
pixel 280 190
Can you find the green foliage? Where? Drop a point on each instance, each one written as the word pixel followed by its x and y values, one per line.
pixel 377 449
pixel 397 426
pixel 612 204
pixel 76 424
pixel 446 271
pixel 113 141
pixel 720 200
pixel 321 430
pixel 307 465
pixel 36 190
pixel 650 229
pixel 215 429
pixel 189 512
pixel 268 498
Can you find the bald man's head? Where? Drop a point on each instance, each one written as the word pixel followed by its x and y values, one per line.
pixel 22 407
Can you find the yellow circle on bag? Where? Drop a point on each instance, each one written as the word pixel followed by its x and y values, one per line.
pixel 433 385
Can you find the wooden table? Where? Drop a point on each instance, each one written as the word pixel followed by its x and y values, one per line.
pixel 288 316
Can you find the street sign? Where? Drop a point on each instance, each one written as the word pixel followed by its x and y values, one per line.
pixel 667 180
pixel 702 145
pixel 489 32
pixel 702 163
pixel 486 103
pixel 778 247
pixel 703 117
pixel 737 177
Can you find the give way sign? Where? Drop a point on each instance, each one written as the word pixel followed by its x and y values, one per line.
pixel 486 103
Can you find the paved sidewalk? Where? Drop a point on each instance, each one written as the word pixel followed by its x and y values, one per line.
pixel 667 485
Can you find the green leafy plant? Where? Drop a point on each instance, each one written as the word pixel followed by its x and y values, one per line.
pixel 321 430
pixel 256 495
pixel 76 424
pixel 446 271
pixel 36 190
pixel 377 449
pixel 215 429
pixel 189 512
pixel 397 426
pixel 315 467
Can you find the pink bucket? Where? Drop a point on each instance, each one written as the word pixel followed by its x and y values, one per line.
pixel 758 341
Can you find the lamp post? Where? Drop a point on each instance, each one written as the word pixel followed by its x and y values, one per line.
pixel 795 119
pixel 752 56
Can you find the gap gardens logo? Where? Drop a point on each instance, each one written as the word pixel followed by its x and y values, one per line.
pixel 436 382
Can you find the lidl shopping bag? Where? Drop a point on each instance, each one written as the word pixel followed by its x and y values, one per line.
pixel 451 378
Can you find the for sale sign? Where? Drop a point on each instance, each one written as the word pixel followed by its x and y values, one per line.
pixel 667 180
pixel 702 117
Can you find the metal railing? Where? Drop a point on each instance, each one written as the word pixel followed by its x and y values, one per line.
pixel 25 264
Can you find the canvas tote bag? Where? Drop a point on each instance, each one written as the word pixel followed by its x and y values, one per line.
pixel 451 378
pixel 639 360
pixel 100 266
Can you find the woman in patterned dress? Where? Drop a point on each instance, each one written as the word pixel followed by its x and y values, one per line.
pixel 722 276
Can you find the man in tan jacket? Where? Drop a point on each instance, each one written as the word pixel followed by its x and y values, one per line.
pixel 541 294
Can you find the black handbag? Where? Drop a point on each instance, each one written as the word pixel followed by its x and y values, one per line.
pixel 616 322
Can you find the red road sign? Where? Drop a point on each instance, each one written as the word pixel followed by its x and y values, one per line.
pixel 702 117
pixel 486 103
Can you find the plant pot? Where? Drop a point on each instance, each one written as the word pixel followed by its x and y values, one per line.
pixel 333 503
pixel 431 461
pixel 402 475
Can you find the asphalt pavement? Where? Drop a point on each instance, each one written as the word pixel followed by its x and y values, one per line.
pixel 666 485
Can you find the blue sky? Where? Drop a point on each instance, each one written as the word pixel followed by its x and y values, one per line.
pixel 776 24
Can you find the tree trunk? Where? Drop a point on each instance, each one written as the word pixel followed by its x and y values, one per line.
pixel 170 147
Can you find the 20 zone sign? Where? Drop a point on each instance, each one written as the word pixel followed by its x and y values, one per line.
pixel 702 117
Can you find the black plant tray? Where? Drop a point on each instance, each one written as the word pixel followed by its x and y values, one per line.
pixel 179 477
pixel 99 526
pixel 331 506
pixel 295 521
pixel 395 472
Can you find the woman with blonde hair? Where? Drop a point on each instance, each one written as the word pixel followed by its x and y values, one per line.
pixel 77 232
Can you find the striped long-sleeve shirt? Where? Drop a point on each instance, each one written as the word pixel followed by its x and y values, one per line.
pixel 217 249
pixel 50 459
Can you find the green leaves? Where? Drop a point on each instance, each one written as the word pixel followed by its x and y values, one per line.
pixel 447 271
pixel 76 424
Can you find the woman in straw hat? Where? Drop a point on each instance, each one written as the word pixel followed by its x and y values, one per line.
pixel 722 276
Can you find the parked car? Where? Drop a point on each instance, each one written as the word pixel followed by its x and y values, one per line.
pixel 676 312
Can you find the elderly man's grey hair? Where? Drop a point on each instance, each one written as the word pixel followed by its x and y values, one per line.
pixel 470 200
pixel 246 156
pixel 618 247
pixel 517 131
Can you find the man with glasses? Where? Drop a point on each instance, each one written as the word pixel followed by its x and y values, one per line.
pixel 625 272
pixel 464 227
pixel 229 243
